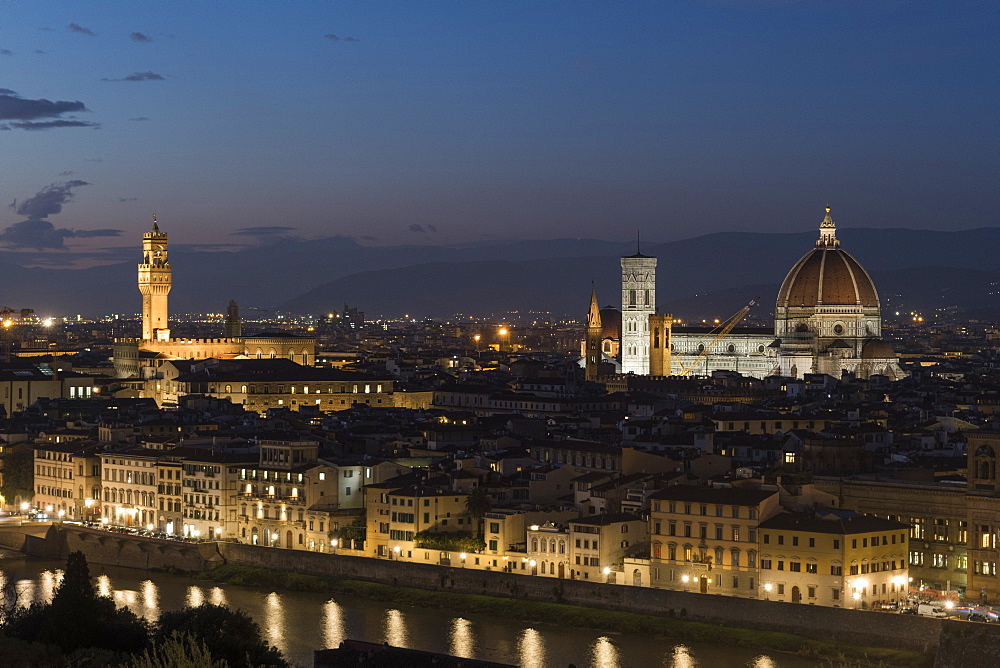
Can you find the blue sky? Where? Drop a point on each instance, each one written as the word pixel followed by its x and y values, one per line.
pixel 446 122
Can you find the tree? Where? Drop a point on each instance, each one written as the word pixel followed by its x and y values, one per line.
pixel 18 473
pixel 354 532
pixel 78 618
pixel 477 504
pixel 177 651
pixel 229 635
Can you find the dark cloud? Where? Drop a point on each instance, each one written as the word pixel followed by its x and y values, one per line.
pixel 128 199
pixel 421 229
pixel 48 125
pixel 49 200
pixel 368 237
pixel 66 173
pixel 335 38
pixel 6 52
pixel 140 118
pixel 39 51
pixel 93 159
pixel 76 27
pixel 139 37
pixel 88 234
pixel 15 107
pixel 139 76
pixel 431 228
pixel 40 234
pixel 265 231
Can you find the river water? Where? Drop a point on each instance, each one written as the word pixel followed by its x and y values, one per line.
pixel 300 622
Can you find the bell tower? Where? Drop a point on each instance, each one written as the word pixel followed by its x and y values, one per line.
pixel 154 283
pixel 592 347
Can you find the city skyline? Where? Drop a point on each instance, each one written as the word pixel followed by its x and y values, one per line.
pixel 449 123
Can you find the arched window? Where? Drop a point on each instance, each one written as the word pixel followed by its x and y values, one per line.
pixel 243 389
pixel 552 546
pixel 534 545
pixel 718 556
pixel 751 559
pixel 562 547
pixel 229 388
pixel 735 557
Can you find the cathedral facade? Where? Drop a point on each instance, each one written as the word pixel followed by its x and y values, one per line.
pixel 827 320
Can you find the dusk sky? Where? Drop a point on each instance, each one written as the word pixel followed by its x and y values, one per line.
pixel 447 122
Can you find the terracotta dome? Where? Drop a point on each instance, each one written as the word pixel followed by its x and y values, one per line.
pixel 877 349
pixel 611 321
pixel 827 276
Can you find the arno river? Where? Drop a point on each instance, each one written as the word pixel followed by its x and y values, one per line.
pixel 300 622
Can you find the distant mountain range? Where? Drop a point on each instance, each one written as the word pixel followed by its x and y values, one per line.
pixel 707 276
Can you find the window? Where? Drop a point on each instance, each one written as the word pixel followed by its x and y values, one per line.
pixel 765 564
pixel 836 570
pixel 810 568
pixel 794 566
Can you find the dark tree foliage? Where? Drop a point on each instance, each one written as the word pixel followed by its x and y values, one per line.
pixel 477 504
pixel 18 473
pixel 78 618
pixel 230 635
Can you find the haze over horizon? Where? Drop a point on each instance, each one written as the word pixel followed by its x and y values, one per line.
pixel 443 123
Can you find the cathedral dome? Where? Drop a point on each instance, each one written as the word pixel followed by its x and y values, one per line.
pixel 827 276
pixel 611 323
pixel 877 349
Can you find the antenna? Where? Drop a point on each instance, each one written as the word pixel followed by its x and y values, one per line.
pixel 637 250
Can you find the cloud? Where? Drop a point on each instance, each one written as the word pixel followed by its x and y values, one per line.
pixel 93 159
pixel 6 52
pixel 128 199
pixel 40 234
pixel 48 125
pixel 39 51
pixel 105 232
pixel 66 173
pixel 23 112
pixel 264 231
pixel 334 38
pixel 139 37
pixel 140 118
pixel 421 229
pixel 139 76
pixel 76 27
pixel 369 237
pixel 49 200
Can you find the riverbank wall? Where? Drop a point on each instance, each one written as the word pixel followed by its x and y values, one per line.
pixel 850 627
pixel 111 549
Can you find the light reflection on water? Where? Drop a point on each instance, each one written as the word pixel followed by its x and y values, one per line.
pixel 298 623
pixel 333 624
pixel 682 658
pixel 604 654
pixel 195 596
pixel 462 643
pixel 531 648
pixel 274 625
pixel 395 629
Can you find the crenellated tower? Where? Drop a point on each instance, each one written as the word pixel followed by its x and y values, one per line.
pixel 155 279
pixel 592 347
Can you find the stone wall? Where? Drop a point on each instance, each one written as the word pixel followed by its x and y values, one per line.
pixel 836 624
pixel 113 549
pixel 965 645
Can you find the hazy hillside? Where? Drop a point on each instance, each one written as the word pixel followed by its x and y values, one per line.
pixel 548 275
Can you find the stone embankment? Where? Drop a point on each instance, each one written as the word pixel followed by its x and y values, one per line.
pixel 961 643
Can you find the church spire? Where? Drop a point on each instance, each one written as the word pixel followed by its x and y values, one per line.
pixel 594 316
pixel 156 228
pixel 828 231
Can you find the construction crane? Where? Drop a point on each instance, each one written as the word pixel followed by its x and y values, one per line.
pixel 723 331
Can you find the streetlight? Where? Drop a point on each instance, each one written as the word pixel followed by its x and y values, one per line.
pixel 767 591
pixel 857 597
pixel 462 557
pixel 607 574
pixel 397 550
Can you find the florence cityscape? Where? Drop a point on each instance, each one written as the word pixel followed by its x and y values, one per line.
pixel 499 334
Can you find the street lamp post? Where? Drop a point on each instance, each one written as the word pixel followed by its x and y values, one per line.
pixel 767 591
